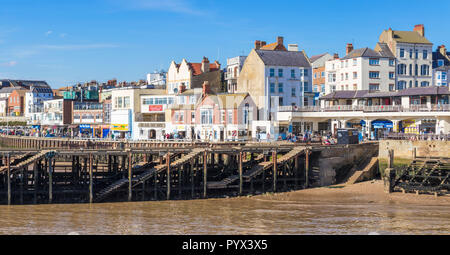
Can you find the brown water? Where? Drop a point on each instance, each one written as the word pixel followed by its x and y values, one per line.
pixel 227 216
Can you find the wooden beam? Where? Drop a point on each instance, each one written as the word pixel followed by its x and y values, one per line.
pixel 8 162
pixel 91 187
pixel 168 175
pixel 130 174
pixel 50 181
pixel 241 181
pixel 307 169
pixel 205 173
pixel 274 160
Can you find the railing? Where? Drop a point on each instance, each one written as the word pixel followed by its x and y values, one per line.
pixel 361 108
pixel 416 137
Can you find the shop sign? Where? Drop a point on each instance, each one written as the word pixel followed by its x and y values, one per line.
pixel 155 108
pixel 181 128
pixel 85 126
pixel 119 127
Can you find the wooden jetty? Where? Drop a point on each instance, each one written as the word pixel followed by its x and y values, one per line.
pixel 36 171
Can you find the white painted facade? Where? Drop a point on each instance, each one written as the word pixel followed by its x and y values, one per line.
pixel 355 74
pixel 234 67
pixel 414 65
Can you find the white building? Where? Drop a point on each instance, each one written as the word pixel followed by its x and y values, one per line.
pixel 157 79
pixel 234 67
pixel 413 53
pixel 361 69
pixel 274 76
pixel 34 103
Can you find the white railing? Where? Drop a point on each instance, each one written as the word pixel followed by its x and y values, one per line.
pixel 373 108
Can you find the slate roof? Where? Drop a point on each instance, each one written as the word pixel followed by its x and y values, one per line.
pixel 369 53
pixel 283 58
pixel 316 57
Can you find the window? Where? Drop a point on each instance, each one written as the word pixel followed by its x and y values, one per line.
pixel 374 75
pixel 391 75
pixel 401 69
pixel 401 85
pixel 355 75
pixel 305 101
pixel 280 72
pixel 293 92
pixel 424 70
pixel 410 69
pixel 293 74
pixel 346 76
pixel 206 116
pixel 230 116
pixel 120 104
pixel 355 87
pixel 305 72
pixel 444 76
pixel 374 87
pixel 425 54
pixel 316 88
pixel 391 62
pixel 416 71
pixel 193 117
pixel 332 77
pixel 272 88
pixel 410 53
pixel 417 53
pixel 440 62
pixel 323 74
pixel 374 62
pixel 355 61
pixel 280 87
pixel 346 63
pixel 410 84
pixel 280 101
pixel 402 53
pixel 424 84
pixel 126 102
pixel 391 87
pixel 272 72
pixel 305 86
pixel 322 88
pixel 222 116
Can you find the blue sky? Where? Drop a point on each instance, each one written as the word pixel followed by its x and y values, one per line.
pixel 65 42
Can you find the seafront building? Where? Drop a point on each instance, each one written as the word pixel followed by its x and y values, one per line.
pixel 398 86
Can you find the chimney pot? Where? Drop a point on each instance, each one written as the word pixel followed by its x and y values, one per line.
pixel 349 48
pixel 420 29
pixel 336 56
pixel 280 40
pixel 206 88
pixel 257 45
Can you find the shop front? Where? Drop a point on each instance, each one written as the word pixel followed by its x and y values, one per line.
pixel 409 127
pixel 120 131
pixel 380 128
pixel 427 126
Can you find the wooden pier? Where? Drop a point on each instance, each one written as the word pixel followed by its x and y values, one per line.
pixel 36 171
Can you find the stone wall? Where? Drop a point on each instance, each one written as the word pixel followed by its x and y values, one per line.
pixel 404 148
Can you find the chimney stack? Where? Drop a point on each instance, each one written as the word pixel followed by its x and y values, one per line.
pixel 280 40
pixel 181 88
pixel 257 45
pixel 263 43
pixel 420 29
pixel 293 47
pixel 205 65
pixel 336 56
pixel 442 50
pixel 349 48
pixel 206 88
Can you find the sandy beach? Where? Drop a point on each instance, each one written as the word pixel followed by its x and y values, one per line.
pixel 365 192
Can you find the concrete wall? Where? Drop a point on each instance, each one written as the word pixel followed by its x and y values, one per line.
pixel 333 159
pixel 404 148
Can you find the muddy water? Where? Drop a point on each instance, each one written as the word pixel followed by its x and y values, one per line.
pixel 227 216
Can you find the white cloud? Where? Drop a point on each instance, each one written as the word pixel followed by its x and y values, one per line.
pixel 77 46
pixel 9 64
pixel 48 33
pixel 178 6
pixel 62 35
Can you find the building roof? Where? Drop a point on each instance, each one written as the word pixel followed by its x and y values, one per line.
pixel 369 53
pixel 409 37
pixel 41 90
pixel 227 100
pixel 283 58
pixel 150 92
pixel 316 57
pixel 23 83
pixel 7 89
pixel 197 68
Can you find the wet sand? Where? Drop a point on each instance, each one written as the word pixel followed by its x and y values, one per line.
pixel 365 192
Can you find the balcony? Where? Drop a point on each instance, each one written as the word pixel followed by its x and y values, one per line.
pixel 362 108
